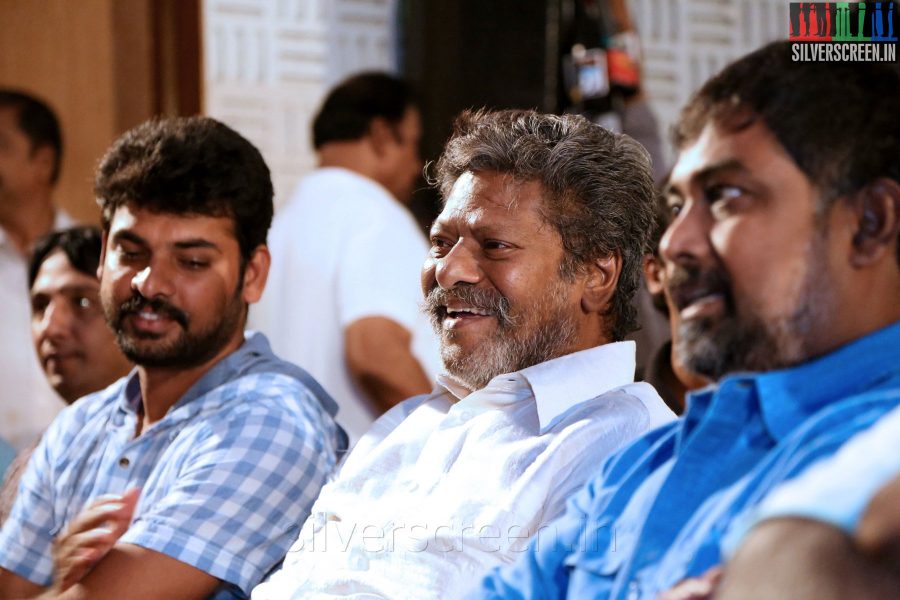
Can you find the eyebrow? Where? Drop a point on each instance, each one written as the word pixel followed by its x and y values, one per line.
pixel 731 164
pixel 195 243
pixel 187 244
pixel 68 289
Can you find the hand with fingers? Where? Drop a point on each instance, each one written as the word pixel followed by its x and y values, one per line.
pixel 90 536
pixel 695 588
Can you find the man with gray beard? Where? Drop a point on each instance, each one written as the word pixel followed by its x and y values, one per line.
pixel 782 261
pixel 533 263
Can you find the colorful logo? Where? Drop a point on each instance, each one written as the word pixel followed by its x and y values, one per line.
pixel 846 31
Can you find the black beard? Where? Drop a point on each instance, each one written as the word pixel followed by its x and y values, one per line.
pixel 190 349
pixel 716 346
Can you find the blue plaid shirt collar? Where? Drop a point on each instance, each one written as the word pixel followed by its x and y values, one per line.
pixel 253 356
pixel 810 386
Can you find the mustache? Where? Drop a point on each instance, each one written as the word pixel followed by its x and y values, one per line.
pixel 137 302
pixel 687 283
pixel 435 303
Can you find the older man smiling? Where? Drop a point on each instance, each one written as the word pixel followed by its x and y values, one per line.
pixel 533 263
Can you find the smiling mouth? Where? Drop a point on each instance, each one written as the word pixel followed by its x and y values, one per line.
pixel 459 316
pixel 704 305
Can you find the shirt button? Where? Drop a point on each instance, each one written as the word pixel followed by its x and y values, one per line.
pixel 124 462
pixel 634 591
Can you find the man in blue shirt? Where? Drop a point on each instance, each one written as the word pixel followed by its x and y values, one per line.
pixel 782 259
pixel 227 444
pixel 827 534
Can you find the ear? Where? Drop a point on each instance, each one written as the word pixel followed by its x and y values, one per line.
pixel 104 238
pixel 877 222
pixel 381 135
pixel 43 157
pixel 256 272
pixel 600 283
pixel 653 273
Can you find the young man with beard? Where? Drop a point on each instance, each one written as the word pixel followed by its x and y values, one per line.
pixel 782 258
pixel 533 263
pixel 227 445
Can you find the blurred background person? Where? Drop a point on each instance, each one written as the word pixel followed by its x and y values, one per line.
pixel 665 370
pixel 77 350
pixel 30 156
pixel 343 296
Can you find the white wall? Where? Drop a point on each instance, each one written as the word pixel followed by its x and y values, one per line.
pixel 268 64
pixel 687 41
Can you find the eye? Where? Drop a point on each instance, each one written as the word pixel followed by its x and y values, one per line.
pixel 129 254
pixel 722 196
pixel 84 303
pixel 38 306
pixel 673 207
pixel 440 245
pixel 194 264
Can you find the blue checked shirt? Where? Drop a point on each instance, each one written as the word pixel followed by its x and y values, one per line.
pixel 658 511
pixel 227 476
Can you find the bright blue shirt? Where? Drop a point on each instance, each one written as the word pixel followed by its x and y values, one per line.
pixel 658 510
pixel 226 476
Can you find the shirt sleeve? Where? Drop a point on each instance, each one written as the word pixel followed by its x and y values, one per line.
pixel 239 499
pixel 28 533
pixel 825 478
pixel 541 572
pixel 380 267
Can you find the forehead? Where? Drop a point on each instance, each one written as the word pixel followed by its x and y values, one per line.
pixel 492 198
pixel 753 150
pixel 163 228
pixel 9 122
pixel 57 272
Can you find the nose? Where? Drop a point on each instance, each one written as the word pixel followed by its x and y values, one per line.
pixel 57 320
pixel 460 265
pixel 152 281
pixel 687 236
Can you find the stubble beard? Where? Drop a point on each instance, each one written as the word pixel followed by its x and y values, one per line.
pixel 714 347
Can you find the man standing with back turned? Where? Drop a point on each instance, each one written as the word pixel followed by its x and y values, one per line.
pixel 227 444
pixel 30 162
pixel 343 299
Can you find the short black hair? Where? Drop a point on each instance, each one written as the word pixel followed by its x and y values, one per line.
pixel 189 166
pixel 348 110
pixel 598 187
pixel 839 122
pixel 81 246
pixel 38 122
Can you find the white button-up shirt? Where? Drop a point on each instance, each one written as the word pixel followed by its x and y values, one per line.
pixel 447 485
pixel 27 402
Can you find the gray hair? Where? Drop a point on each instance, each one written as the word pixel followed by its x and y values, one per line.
pixel 598 187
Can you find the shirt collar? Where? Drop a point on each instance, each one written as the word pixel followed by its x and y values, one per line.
pixel 788 397
pixel 565 382
pixel 253 356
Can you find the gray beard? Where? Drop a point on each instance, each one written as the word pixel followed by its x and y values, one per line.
pixel 512 347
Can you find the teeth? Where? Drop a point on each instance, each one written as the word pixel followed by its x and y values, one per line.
pixel 475 311
pixel 150 316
